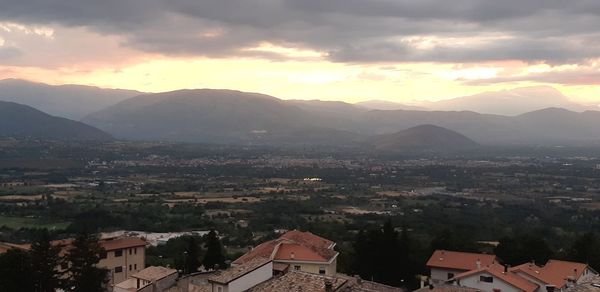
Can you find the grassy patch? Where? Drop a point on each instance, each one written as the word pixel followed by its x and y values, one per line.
pixel 24 222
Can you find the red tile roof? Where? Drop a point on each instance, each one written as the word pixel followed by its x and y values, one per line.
pixel 294 251
pixel 464 261
pixel 123 242
pixel 497 271
pixel 66 244
pixel 293 246
pixel 555 272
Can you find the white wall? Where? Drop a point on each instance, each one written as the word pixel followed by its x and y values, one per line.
pixel 473 282
pixel 441 275
pixel 252 279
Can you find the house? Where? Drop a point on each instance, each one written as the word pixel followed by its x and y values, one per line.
pixel 243 276
pixel 484 273
pixel 495 278
pixel 445 265
pixel 150 279
pixel 123 256
pixel 297 250
pixel 555 274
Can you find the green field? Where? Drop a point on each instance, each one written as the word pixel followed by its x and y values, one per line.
pixel 22 222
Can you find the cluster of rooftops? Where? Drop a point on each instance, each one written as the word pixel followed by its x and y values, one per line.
pixel 455 268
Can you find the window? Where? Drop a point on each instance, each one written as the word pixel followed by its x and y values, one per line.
pixel 219 289
pixel 103 255
pixel 322 270
pixel 130 251
pixel 135 267
pixel 488 279
pixel 496 290
pixel 130 267
pixel 135 250
pixel 450 276
pixel 118 270
pixel 118 253
pixel 297 268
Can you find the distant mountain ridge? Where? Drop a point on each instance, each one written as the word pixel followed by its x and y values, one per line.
pixel 69 101
pixel 229 116
pixel 510 102
pixel 21 121
pixel 226 116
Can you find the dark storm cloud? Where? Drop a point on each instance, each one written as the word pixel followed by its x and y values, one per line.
pixel 346 30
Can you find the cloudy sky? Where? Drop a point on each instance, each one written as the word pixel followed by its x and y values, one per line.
pixel 399 50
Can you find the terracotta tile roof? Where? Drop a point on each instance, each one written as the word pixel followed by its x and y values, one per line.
pixel 555 272
pixel 509 277
pixel 446 288
pixel 358 285
pixel 280 267
pixel 154 273
pixel 297 281
pixel 5 246
pixel 238 271
pixel 308 239
pixel 465 261
pixel 305 246
pixel 263 250
pixel 123 242
pixel 294 251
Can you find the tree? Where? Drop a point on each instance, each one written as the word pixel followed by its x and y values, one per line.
pixel 84 276
pixel 192 256
pixel 45 260
pixel 15 271
pixel 384 256
pixel 214 252
pixel 521 249
pixel 585 249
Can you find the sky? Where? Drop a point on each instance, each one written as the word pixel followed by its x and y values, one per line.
pixel 349 50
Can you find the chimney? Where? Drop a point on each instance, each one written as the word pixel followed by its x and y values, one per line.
pixel 328 285
pixel 358 279
pixel 505 269
pixel 292 255
pixel 478 263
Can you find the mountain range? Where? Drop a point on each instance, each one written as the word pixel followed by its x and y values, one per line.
pixel 229 116
pixel 21 121
pixel 69 101
pixel 511 102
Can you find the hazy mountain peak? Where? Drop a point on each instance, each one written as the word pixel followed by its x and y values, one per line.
pixel 510 102
pixel 70 101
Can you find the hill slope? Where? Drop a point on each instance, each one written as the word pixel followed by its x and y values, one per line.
pixel 423 137
pixel 69 101
pixel 208 115
pixel 19 121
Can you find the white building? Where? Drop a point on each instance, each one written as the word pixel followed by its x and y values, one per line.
pixel 445 265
